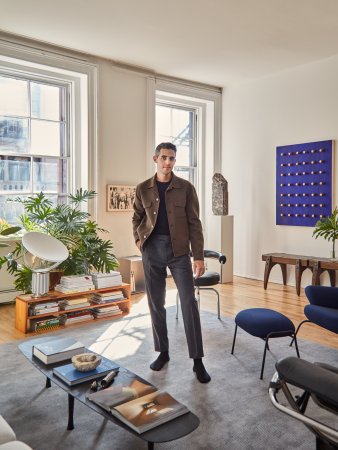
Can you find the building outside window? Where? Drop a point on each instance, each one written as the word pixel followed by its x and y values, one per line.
pixel 34 141
pixel 177 124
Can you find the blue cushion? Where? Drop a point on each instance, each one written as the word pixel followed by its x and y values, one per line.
pixel 323 316
pixel 207 279
pixel 262 321
pixel 322 296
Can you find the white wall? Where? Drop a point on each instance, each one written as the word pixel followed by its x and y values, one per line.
pixel 121 146
pixel 294 106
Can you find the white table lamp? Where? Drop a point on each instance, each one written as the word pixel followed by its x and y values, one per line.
pixel 43 253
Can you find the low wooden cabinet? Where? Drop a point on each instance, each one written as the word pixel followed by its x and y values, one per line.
pixel 24 302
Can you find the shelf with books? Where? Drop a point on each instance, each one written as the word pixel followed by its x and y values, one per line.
pixel 25 319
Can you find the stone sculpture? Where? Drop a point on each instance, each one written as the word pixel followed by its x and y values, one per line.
pixel 219 195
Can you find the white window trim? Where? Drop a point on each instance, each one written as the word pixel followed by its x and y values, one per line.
pixel 82 75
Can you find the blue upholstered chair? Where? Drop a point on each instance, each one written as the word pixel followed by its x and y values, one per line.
pixel 266 324
pixel 208 279
pixel 323 307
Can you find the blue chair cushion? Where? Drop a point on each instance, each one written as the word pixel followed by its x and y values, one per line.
pixel 323 316
pixel 207 279
pixel 260 322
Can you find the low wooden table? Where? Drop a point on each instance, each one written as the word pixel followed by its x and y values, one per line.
pixel 169 431
pixel 316 264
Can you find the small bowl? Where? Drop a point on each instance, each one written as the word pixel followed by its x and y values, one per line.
pixel 84 362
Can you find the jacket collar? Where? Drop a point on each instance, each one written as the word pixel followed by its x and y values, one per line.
pixel 175 182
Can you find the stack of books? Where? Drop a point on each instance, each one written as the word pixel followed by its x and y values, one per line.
pixel 43 308
pixel 43 325
pixel 75 317
pixel 110 279
pixel 100 298
pixel 71 376
pixel 75 283
pixel 106 311
pixel 74 303
pixel 55 350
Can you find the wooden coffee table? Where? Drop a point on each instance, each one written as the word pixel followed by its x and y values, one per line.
pixel 169 431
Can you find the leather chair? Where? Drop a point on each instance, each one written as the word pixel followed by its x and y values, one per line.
pixel 317 381
pixel 208 279
pixel 323 307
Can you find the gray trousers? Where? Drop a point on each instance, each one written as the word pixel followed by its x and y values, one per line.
pixel 157 255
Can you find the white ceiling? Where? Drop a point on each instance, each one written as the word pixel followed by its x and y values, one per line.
pixel 211 41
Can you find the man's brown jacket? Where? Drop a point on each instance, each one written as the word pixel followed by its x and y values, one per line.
pixel 183 215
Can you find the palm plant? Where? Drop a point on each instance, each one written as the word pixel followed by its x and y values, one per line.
pixel 66 222
pixel 328 229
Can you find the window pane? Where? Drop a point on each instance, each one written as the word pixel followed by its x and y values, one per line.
pixel 45 138
pixel 183 173
pixel 14 97
pixel 45 101
pixel 163 124
pixel 13 135
pixel 181 124
pixel 14 174
pixel 183 154
pixel 10 211
pixel 49 175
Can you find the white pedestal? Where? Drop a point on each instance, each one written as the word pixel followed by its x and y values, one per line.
pixel 221 239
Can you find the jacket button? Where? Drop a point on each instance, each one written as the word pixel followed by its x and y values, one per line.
pixel 157 199
pixel 154 212
pixel 144 236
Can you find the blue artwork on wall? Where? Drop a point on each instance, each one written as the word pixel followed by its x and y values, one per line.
pixel 304 183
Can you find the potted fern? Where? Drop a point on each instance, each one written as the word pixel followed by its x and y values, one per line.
pixel 328 229
pixel 88 251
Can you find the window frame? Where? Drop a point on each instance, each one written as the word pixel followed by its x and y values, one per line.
pixel 80 75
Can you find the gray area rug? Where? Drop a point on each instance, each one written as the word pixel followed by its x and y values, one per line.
pixel 234 409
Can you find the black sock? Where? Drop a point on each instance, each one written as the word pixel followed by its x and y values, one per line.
pixel 201 373
pixel 160 361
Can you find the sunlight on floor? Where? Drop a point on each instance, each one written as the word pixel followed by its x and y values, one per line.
pixel 124 337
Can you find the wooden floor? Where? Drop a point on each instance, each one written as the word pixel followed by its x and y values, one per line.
pixel 242 293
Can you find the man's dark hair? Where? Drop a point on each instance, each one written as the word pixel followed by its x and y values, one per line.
pixel 165 146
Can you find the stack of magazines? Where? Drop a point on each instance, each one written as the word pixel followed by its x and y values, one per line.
pixel 75 283
pixel 106 311
pixel 43 308
pixel 75 316
pixel 44 325
pixel 100 298
pixel 74 303
pixel 110 279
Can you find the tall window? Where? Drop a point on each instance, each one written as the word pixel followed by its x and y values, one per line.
pixel 177 124
pixel 34 144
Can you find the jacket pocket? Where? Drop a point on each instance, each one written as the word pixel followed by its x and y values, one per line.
pixel 180 207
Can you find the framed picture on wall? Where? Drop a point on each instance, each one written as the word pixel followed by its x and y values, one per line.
pixel 120 198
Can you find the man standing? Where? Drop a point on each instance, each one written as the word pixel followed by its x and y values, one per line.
pixel 165 223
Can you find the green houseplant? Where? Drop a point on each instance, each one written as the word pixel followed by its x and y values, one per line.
pixel 327 228
pixel 87 249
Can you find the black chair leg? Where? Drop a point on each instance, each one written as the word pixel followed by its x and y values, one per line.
pixel 233 342
pixel 296 345
pixel 266 346
pixel 298 328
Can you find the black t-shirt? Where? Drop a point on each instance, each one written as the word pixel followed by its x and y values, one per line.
pixel 162 226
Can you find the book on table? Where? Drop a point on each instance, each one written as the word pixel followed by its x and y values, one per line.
pixel 71 376
pixel 57 350
pixel 137 404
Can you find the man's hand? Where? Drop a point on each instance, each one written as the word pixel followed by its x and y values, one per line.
pixel 199 268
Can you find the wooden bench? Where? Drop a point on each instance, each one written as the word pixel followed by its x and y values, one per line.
pixel 301 262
